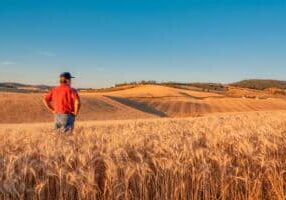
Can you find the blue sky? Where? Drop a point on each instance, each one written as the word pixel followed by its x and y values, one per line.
pixel 103 42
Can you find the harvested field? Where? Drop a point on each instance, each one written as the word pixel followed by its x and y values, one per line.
pixel 146 101
pixel 28 108
pixel 184 107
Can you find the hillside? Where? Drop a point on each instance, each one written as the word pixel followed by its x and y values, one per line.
pixel 256 84
pixel 142 101
pixel 23 107
pixel 260 84
pixel 214 87
pixel 22 88
pixel 252 84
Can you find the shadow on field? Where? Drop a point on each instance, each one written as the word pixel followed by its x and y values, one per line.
pixel 200 98
pixel 138 105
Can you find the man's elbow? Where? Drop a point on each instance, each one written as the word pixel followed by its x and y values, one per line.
pixel 46 101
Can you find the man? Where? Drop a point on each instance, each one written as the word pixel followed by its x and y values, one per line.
pixel 64 102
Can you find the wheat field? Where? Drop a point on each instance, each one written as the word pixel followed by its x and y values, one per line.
pixel 222 156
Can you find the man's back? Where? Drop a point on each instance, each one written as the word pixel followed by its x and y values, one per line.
pixel 63 98
pixel 63 101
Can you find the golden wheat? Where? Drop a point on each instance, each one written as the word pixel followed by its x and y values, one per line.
pixel 234 156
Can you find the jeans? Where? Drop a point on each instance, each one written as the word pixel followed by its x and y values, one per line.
pixel 64 122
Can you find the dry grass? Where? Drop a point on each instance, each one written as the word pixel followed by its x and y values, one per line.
pixel 233 156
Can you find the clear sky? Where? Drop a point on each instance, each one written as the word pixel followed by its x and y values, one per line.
pixel 103 42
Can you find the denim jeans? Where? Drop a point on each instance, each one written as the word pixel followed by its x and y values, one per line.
pixel 64 122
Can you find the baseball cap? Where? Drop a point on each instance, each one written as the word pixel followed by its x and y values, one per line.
pixel 66 75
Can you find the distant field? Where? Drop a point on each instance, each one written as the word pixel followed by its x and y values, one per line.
pixel 260 84
pixel 143 101
pixel 222 156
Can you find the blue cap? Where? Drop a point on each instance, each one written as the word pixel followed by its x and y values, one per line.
pixel 66 75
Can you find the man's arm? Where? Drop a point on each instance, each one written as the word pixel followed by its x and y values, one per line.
pixel 76 107
pixel 47 101
pixel 77 103
pixel 48 105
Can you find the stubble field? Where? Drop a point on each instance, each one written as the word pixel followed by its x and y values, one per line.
pixel 140 102
pixel 221 156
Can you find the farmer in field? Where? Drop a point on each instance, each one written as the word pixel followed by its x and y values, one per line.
pixel 64 102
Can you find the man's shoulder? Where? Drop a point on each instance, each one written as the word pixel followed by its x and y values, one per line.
pixel 64 88
pixel 74 90
pixel 60 88
pixel 56 88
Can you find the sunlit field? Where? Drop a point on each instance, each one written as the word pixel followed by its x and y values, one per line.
pixel 225 156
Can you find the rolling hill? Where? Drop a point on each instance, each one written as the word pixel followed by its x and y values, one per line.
pixel 142 101
pixel 23 88
pixel 260 84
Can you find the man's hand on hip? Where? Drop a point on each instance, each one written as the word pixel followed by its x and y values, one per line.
pixel 75 113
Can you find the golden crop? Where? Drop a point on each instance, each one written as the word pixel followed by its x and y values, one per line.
pixel 233 156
